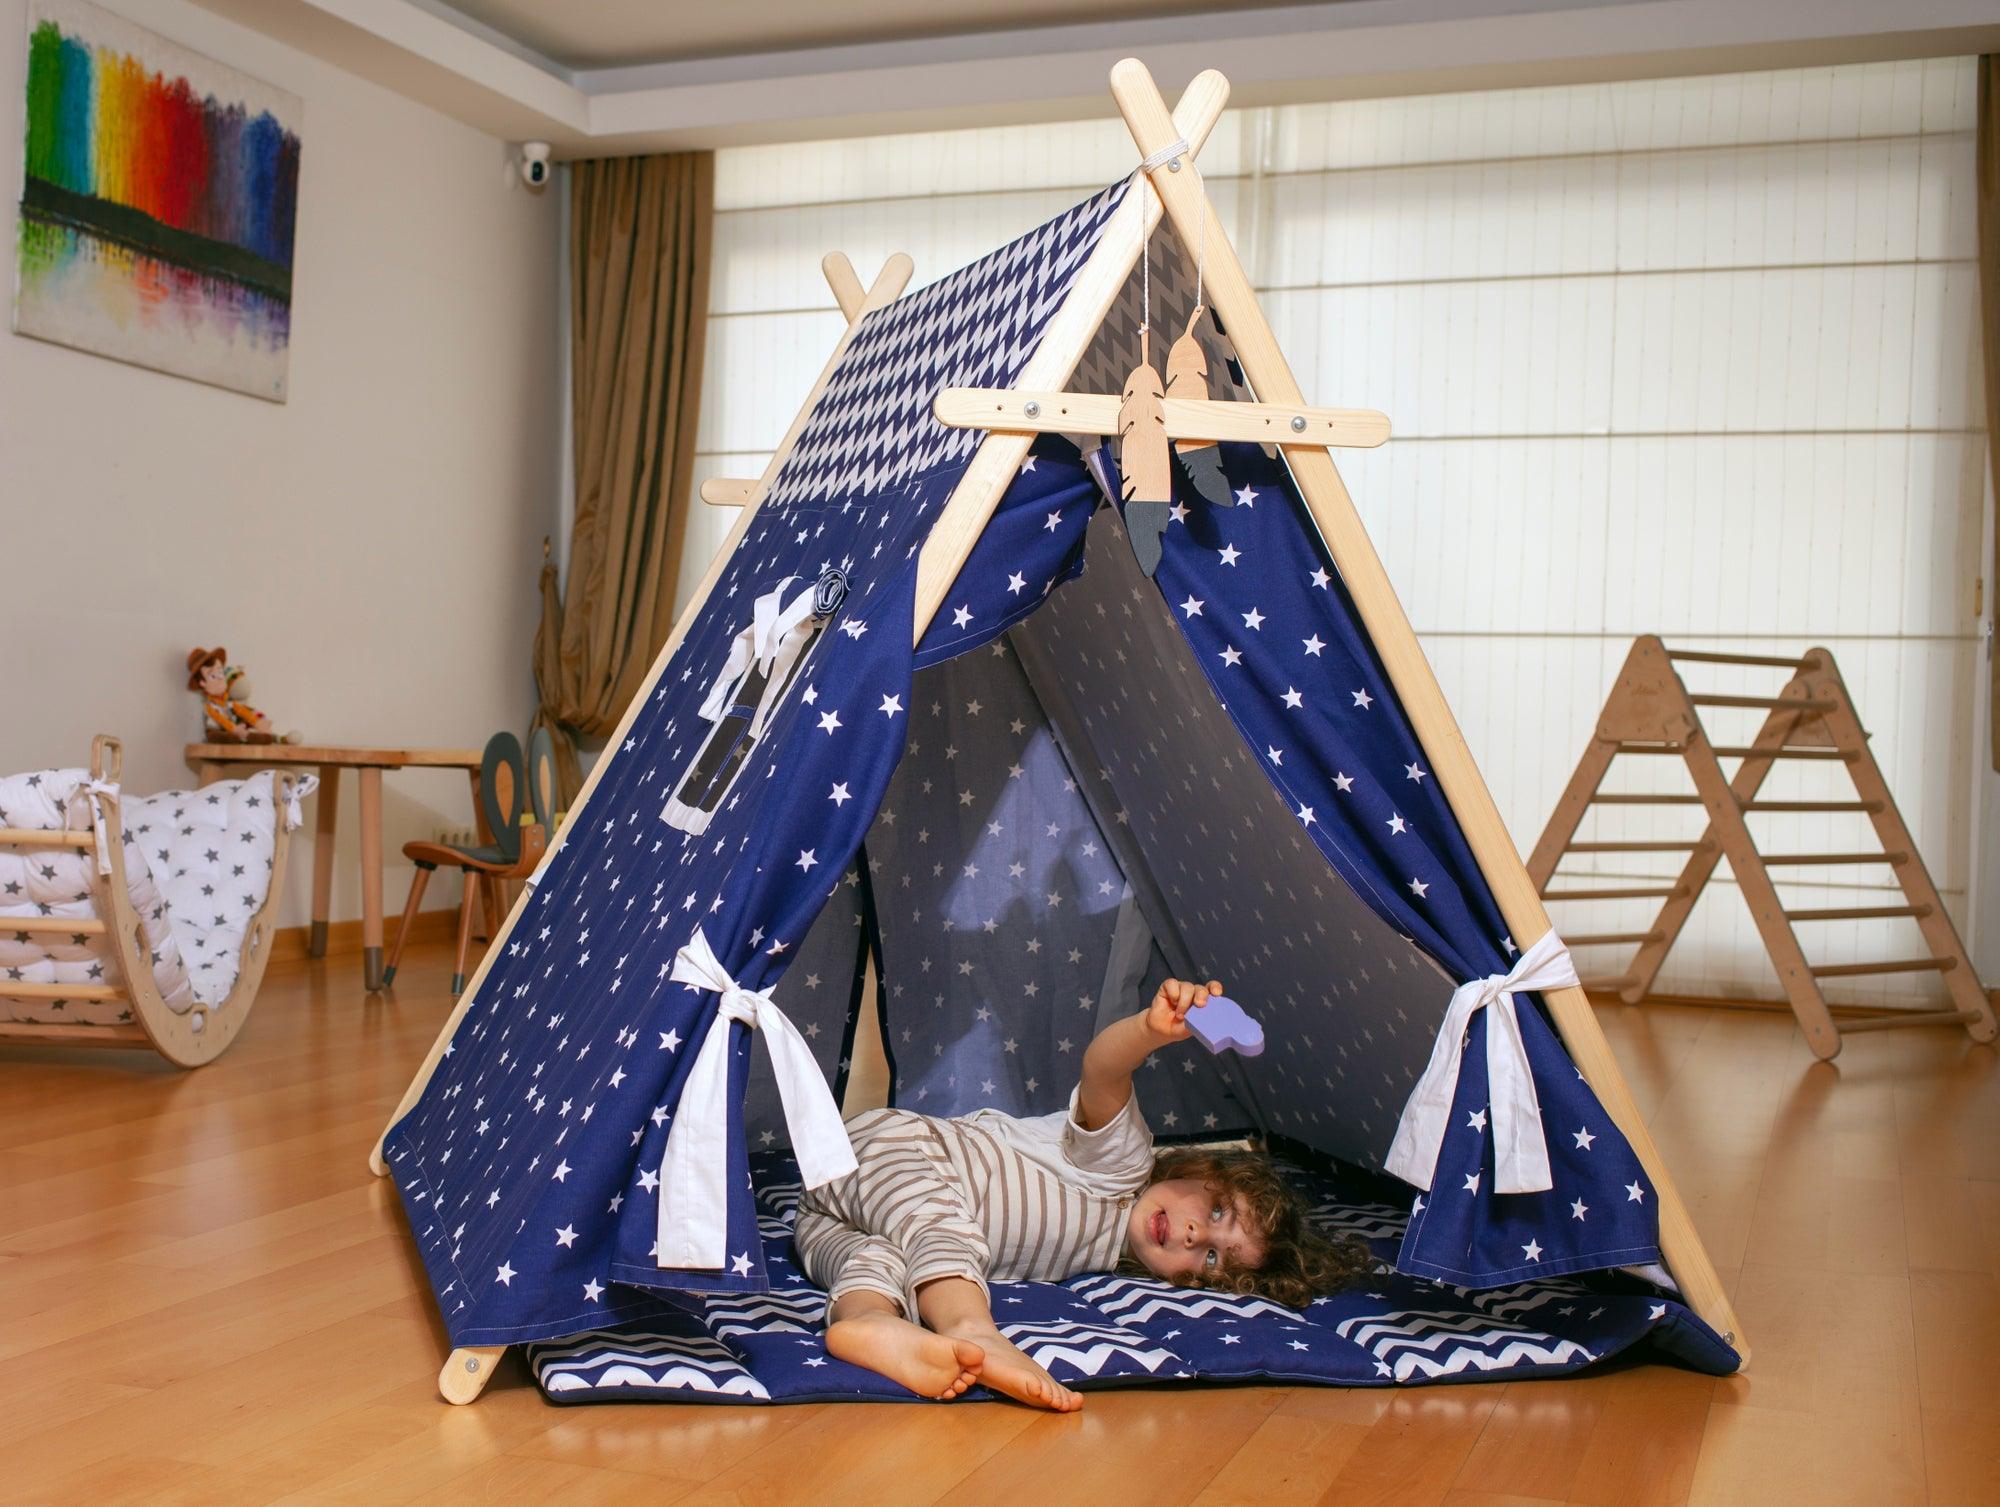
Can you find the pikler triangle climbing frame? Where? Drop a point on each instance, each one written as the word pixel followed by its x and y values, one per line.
pixel 1167 186
pixel 1651 712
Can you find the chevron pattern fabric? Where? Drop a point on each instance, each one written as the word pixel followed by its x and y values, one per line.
pixel 1109 1330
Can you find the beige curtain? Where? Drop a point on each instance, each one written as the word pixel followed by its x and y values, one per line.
pixel 640 234
pixel 1988 130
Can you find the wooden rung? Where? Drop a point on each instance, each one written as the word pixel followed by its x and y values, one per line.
pixel 1711 657
pixel 1897 1018
pixel 1869 807
pixel 1005 409
pixel 22 837
pixel 75 1034
pixel 1607 938
pixel 1801 858
pixel 1858 913
pixel 1900 965
pixel 1645 800
pixel 59 991
pixel 728 491
pixel 1766 703
pixel 1748 751
pixel 1603 985
pixel 1635 847
pixel 80 926
pixel 1625 746
pixel 1669 892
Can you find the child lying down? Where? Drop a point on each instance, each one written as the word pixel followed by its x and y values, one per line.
pixel 936 1209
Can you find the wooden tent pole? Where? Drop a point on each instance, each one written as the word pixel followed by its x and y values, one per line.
pixel 1098 283
pixel 1230 293
pixel 889 283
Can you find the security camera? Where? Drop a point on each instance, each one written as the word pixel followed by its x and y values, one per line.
pixel 534 163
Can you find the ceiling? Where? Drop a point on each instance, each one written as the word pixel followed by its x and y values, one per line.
pixel 585 34
pixel 606 77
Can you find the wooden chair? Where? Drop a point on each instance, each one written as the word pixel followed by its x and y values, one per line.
pixel 515 806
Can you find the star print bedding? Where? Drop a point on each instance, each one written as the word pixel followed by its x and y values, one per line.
pixel 197 869
pixel 1104 1330
pixel 1079 780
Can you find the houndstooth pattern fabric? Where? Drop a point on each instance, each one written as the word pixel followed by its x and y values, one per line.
pixel 873 428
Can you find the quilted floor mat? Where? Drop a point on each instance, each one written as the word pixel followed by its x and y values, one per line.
pixel 1104 1331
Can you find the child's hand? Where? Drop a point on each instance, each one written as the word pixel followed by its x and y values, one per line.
pixel 1166 1016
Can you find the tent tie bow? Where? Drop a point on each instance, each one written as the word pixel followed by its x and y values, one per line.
pixel 694 1204
pixel 1520 1153
pixel 297 788
pixel 771 642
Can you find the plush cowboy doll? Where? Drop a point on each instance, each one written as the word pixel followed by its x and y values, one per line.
pixel 225 718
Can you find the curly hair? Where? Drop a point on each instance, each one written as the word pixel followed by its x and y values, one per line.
pixel 1300 1263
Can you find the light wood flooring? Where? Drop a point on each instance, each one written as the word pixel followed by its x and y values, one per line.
pixel 204 1297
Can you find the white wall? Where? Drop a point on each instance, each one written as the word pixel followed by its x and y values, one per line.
pixel 1682 356
pixel 369 549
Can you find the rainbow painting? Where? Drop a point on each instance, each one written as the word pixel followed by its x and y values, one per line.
pixel 158 205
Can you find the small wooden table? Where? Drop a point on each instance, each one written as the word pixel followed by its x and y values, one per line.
pixel 219 761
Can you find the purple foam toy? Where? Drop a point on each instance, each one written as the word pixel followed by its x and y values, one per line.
pixel 1222 1026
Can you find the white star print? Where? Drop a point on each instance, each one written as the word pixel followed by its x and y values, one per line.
pixel 1396 824
pixel 1472 1182
pixel 1192 606
pixel 566 1237
pixel 1230 554
pixel 1254 620
pixel 840 797
pixel 1320 579
pixel 1476 1120
pixel 1634 1194
pixel 1578 1209
pixel 1532 1250
pixel 890 705
pixel 961 617
pixel 1305 816
pixel 1177 513
pixel 649 1180
pixel 1315 644
pixel 1419 888
pixel 1055 519
pixel 669 1040
pixel 1294 697
pixel 807 859
pixel 1363 700
pixel 593 1290
pixel 1016 583
pixel 1231 657
pixel 1584 1138
pixel 829 721
pixel 506 1275
pixel 740 1264
pixel 1413 772
pixel 1246 496
pixel 1343 782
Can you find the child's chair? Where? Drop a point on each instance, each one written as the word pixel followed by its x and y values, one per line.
pixel 515 803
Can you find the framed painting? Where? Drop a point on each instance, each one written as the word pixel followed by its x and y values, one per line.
pixel 158 205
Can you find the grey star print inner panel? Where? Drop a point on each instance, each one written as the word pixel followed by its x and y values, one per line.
pixel 1010 930
pixel 1349 1006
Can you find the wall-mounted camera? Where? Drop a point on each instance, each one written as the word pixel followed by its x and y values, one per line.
pixel 535 167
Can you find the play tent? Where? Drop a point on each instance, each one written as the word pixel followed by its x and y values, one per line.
pixel 930 708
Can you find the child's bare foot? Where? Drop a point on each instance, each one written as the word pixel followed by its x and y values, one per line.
pixel 931 1365
pixel 1010 1371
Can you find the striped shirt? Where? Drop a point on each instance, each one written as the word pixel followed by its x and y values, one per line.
pixel 988 1197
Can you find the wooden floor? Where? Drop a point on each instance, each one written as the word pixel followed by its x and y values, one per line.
pixel 205 1298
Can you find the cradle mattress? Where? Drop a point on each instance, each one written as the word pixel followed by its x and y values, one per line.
pixel 1103 1330
pixel 197 869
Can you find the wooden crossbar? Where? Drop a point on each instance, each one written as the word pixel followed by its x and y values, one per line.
pixel 78 926
pixel 1651 711
pixel 32 837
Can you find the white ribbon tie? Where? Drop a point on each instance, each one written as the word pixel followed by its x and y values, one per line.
pixel 95 792
pixel 297 788
pixel 1520 1153
pixel 694 1210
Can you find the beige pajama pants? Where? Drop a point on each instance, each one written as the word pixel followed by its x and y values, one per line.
pixel 897 1221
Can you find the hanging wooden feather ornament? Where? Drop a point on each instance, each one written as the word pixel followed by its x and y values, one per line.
pixel 1144 462
pixel 1187 378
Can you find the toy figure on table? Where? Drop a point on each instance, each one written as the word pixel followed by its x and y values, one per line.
pixel 227 715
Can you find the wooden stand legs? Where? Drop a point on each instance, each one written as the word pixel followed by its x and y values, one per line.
pixel 371 879
pixel 466 1372
pixel 326 819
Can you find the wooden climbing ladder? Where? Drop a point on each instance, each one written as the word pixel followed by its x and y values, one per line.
pixel 1651 712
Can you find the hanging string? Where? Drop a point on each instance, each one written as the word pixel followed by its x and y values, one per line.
pixel 1151 161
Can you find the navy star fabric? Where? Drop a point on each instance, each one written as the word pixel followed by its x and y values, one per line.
pixel 529 1166
pixel 1281 644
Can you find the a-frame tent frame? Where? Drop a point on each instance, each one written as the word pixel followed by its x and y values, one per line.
pixel 1174 189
